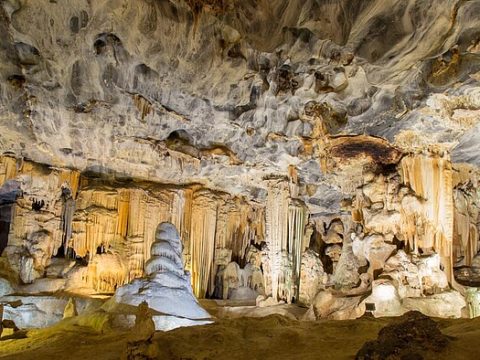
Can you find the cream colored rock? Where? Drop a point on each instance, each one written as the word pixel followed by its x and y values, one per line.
pixel 28 274
pixel 326 305
pixel 450 304
pixel 334 234
pixel 375 190
pixel 34 311
pixel 313 277
pixel 417 277
pixel 5 287
pixel 334 252
pixel 384 300
pixel 472 298
pixel 346 274
pixel 264 301
pixel 376 251
pixel 70 309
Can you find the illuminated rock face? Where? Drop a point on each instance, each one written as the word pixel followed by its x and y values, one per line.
pixel 304 152
pixel 92 235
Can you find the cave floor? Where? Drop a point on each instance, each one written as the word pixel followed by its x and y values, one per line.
pixel 271 337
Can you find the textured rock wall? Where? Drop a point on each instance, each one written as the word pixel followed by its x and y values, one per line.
pixel 107 226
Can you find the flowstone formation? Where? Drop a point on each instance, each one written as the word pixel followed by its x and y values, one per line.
pixel 322 153
pixel 166 289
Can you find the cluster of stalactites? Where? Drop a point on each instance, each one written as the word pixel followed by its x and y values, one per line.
pixel 431 179
pixel 121 219
pixel 416 205
pixel 35 232
pixel 220 225
pixel 285 228
pixel 106 272
pixel 125 219
pixel 93 219
pixel 465 231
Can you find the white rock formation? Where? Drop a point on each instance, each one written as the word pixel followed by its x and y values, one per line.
pixel 42 311
pixel 384 300
pixel 166 288
pixel 5 287
pixel 449 304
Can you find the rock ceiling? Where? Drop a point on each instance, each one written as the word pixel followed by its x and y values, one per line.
pixel 229 93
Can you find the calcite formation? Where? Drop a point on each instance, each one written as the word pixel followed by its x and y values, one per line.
pixel 166 289
pixel 322 153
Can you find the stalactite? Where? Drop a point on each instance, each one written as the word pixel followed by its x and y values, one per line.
pixel 99 221
pixel 296 230
pixel 123 211
pixel 204 222
pixel 237 229
pixel 157 210
pixel 106 272
pixel 223 241
pixel 143 105
pixel 8 169
pixel 68 211
pixel 430 177
pixel 465 240
pixel 276 234
pixel 70 178
pixel 181 211
pixel 135 233
pixel 145 212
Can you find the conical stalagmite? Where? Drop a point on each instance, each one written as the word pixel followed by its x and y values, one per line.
pixel 165 287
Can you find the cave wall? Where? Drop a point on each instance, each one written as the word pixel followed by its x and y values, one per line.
pixel 107 226
pixel 96 232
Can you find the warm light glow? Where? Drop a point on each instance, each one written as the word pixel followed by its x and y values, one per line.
pixel 384 292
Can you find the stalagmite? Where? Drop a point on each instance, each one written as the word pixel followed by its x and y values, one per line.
pixel 165 286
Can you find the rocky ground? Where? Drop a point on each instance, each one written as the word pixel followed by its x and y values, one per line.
pixel 270 337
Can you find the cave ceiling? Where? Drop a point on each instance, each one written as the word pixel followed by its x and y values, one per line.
pixel 228 94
